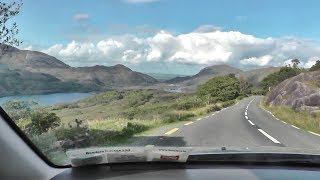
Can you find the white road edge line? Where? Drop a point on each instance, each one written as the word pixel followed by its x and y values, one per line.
pixel 285 122
pixel 268 136
pixel 198 119
pixel 295 127
pixel 314 133
pixel 186 124
pixel 245 113
pixel 246 117
pixel 251 122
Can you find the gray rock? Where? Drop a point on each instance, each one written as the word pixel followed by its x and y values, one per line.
pixel 299 92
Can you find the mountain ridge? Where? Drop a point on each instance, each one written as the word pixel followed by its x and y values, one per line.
pixel 93 78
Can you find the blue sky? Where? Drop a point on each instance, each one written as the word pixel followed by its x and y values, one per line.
pixel 47 23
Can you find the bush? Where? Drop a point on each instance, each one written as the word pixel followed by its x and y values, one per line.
pixel 133 128
pixel 17 109
pixel 177 116
pixel 214 108
pixel 189 103
pixel 275 78
pixel 228 103
pixel 221 88
pixel 316 66
pixel 131 113
pixel 46 142
pixel 77 133
pixel 42 121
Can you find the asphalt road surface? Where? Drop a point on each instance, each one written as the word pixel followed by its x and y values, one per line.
pixel 245 124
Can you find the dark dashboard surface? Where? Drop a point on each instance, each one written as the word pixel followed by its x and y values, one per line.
pixel 177 172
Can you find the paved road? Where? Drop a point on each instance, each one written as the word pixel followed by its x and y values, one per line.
pixel 245 124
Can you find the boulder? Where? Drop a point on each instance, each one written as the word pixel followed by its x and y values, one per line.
pixel 299 92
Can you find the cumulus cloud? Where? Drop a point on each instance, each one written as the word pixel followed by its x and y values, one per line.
pixel 207 28
pixel 204 47
pixel 80 17
pixel 257 61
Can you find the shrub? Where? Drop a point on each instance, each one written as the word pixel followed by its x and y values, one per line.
pixel 316 66
pixel 275 78
pixel 133 128
pixel 189 103
pixel 214 108
pixel 77 133
pixel 131 113
pixel 42 121
pixel 177 116
pixel 17 109
pixel 220 88
pixel 46 142
pixel 228 103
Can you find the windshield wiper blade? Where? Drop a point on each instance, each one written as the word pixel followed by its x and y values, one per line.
pixel 251 157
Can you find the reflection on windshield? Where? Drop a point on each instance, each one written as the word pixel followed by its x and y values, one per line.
pixel 130 74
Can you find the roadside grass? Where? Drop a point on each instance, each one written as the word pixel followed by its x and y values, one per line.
pixel 113 117
pixel 302 119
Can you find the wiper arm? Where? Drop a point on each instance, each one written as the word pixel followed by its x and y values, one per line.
pixel 254 158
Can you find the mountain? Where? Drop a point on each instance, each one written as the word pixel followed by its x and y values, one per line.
pixel 161 77
pixel 255 76
pixel 49 71
pixel 190 83
pixel 301 91
pixel 205 74
pixel 19 82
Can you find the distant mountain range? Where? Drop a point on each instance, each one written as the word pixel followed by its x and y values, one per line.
pixel 192 82
pixel 32 72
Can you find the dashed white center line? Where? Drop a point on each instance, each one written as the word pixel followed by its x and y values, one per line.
pixel 246 113
pixel 171 131
pixel 295 127
pixel 251 122
pixel 268 136
pixel 246 117
pixel 186 124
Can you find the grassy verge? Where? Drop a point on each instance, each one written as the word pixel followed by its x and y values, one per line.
pixel 302 119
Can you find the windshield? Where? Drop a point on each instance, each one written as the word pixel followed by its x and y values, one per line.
pixel 228 75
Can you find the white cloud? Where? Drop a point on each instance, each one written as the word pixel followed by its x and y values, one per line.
pixel 27 48
pixel 207 28
pixel 311 61
pixel 197 48
pixel 257 61
pixel 80 17
pixel 140 1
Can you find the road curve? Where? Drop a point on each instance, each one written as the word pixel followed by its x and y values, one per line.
pixel 245 124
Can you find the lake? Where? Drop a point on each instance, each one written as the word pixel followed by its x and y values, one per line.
pixel 49 99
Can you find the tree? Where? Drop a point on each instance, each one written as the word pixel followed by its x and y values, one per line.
pixel 245 86
pixel 316 66
pixel 220 88
pixel 42 121
pixel 295 63
pixel 275 78
pixel 19 109
pixel 9 30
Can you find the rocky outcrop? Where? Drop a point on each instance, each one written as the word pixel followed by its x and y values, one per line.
pixel 299 92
